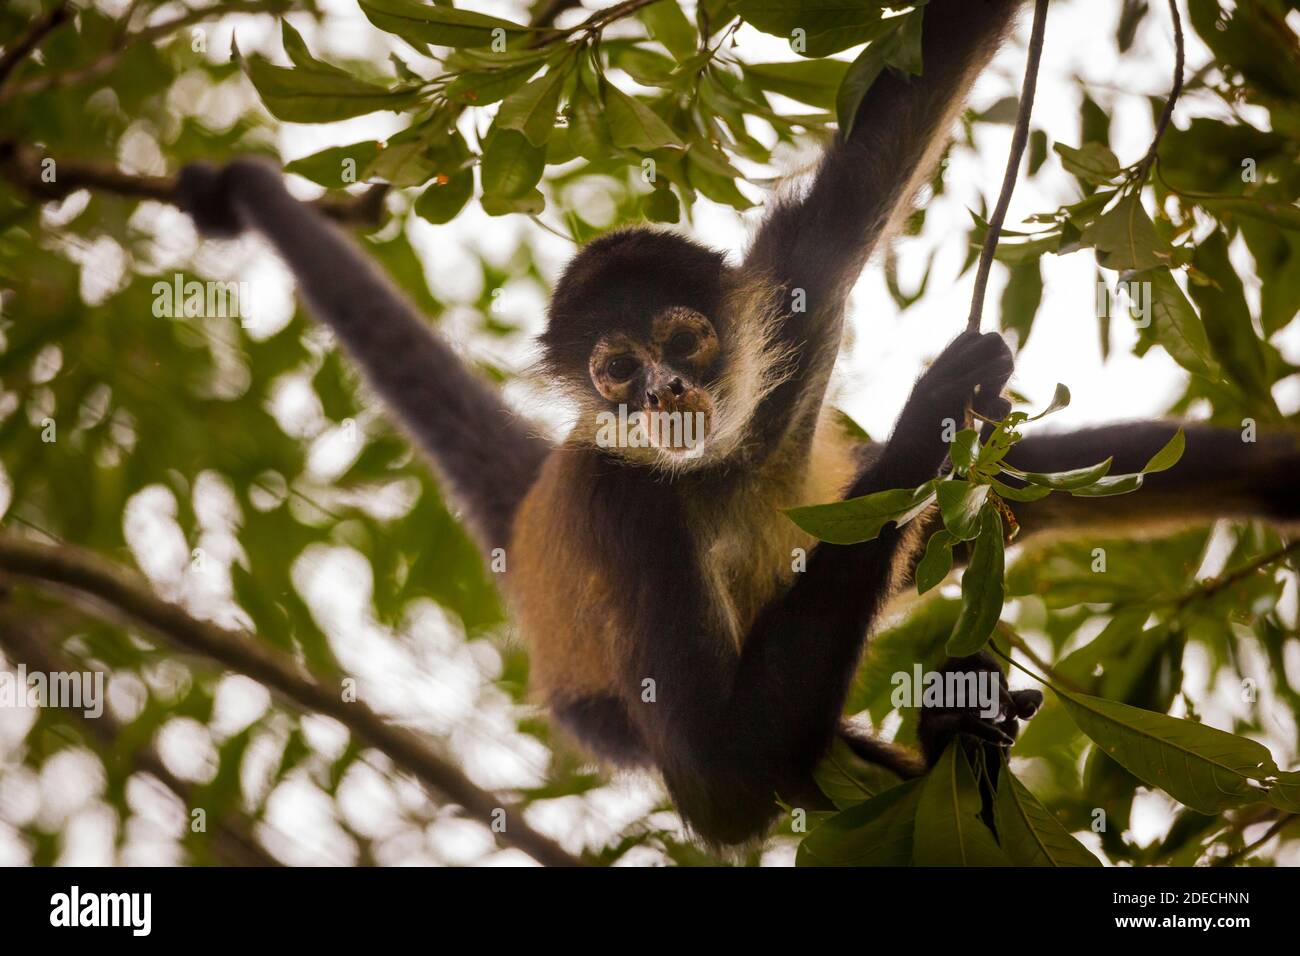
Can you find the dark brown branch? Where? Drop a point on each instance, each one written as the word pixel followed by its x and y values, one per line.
pixel 23 166
pixel 1166 114
pixel 87 574
pixel 42 26
pixel 232 838
pixel 1018 140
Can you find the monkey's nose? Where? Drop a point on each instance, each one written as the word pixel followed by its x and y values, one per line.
pixel 654 397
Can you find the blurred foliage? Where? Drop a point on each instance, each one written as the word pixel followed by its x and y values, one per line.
pixel 655 106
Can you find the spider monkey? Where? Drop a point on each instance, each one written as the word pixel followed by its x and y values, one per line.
pixel 653 585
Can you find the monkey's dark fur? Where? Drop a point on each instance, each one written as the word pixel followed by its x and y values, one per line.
pixel 655 592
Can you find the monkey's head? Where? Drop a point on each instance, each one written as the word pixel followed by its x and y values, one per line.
pixel 637 333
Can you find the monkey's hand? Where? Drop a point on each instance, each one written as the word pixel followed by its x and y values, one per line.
pixel 990 721
pixel 973 368
pixel 207 193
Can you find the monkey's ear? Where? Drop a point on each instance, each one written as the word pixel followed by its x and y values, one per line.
pixel 202 190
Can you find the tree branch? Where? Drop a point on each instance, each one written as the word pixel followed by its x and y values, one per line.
pixel 18 51
pixel 24 166
pixel 1018 140
pixel 232 838
pixel 90 576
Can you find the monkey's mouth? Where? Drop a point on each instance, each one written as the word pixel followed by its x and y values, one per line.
pixel 679 424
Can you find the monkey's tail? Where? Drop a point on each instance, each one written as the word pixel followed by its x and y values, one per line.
pixel 1224 473
pixel 485 455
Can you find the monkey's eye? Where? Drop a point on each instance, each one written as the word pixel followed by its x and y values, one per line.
pixel 621 368
pixel 683 343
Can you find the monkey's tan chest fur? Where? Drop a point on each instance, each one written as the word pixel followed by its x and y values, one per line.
pixel 748 550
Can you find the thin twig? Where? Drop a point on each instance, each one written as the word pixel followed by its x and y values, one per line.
pixel 66 568
pixel 1215 585
pixel 1018 141
pixel 1250 848
pixel 1020 644
pixel 1166 114
pixel 21 48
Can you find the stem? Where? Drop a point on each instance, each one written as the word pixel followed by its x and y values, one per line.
pixel 66 567
pixel 1014 158
pixel 1215 585
pixel 1166 114
pixel 1252 847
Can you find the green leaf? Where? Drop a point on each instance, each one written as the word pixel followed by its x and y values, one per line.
pixel 960 503
pixel 848 779
pixel 936 563
pixel 322 94
pixel 481 88
pixel 965 448
pixel 823 26
pixel 948 830
pixel 529 204
pixel 1029 834
pixel 439 25
pixel 1167 456
pixel 1125 238
pixel 982 589
pixel 1020 300
pixel 633 125
pixel 532 109
pixel 668 24
pixel 814 82
pixel 1065 480
pixel 1027 493
pixel 329 167
pixel 512 165
pixel 1206 769
pixel 876 833
pixel 1060 400
pixel 588 132
pixel 440 202
pixel 1285 793
pixel 1093 162
pixel 661 205
pixel 1220 297
pixel 1177 328
pixel 860 519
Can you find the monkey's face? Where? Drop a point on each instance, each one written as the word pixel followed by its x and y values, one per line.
pixel 664 375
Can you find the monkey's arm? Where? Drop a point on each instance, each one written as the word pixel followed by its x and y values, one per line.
pixel 485 455
pixel 816 244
